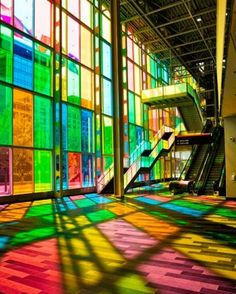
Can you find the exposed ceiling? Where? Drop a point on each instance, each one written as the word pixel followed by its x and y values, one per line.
pixel 180 32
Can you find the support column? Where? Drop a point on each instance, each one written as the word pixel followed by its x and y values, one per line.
pixel 57 64
pixel 117 99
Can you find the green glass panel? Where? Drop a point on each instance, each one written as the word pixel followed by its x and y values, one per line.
pixel 101 215
pixel 108 161
pixel 42 69
pixel 132 138
pixel 5 115
pixel 153 67
pixel 74 129
pixel 107 135
pixel 6 45
pixel 43 170
pixel 42 122
pixel 131 107
pixel 73 80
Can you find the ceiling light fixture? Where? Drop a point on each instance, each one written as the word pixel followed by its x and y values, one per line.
pixel 199 19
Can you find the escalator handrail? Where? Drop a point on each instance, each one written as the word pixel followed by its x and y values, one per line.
pixel 221 179
pixel 192 155
pixel 206 165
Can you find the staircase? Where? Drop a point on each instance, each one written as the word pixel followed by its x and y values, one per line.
pixel 216 168
pixel 141 159
pixel 182 96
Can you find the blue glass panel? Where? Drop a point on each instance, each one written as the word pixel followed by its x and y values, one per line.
pixel 88 170
pixel 65 170
pixel 106 60
pixel 64 126
pixel 107 104
pixel 23 62
pixel 87 130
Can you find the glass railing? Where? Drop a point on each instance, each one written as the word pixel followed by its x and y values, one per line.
pixel 136 161
pixel 148 161
pixel 105 178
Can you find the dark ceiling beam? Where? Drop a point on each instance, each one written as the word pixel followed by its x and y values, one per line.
pixel 135 17
pixel 197 51
pixel 176 20
pixel 186 44
pixel 181 33
pixel 198 29
pixel 173 52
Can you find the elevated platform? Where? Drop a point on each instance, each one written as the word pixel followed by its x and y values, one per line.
pixel 182 96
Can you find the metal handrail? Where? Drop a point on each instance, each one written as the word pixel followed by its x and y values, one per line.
pixel 192 156
pixel 206 164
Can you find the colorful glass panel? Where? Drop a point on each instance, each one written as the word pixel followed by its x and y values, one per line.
pixel 5 115
pixel 43 170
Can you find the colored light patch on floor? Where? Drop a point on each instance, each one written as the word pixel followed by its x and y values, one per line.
pixel 230 203
pixel 148 200
pixel 77 197
pixel 154 227
pixel 92 195
pixel 221 220
pixel 159 198
pixel 214 255
pixel 3 242
pixel 133 284
pixel 102 200
pixel 183 210
pixel 3 206
pixel 168 218
pixel 83 203
pixel 171 272
pixel 14 212
pixel 42 202
pixel 130 241
pixel 120 208
pixel 225 212
pixel 63 205
pixel 32 235
pixel 32 268
pixel 100 215
pixel 195 206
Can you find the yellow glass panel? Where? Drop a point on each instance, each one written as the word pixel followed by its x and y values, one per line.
pixel 106 29
pixel 138 115
pixel 137 52
pixel 86 51
pixel 22 118
pixel 87 88
pixel 137 74
pixel 22 171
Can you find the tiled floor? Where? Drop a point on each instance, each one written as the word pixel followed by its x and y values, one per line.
pixel 149 243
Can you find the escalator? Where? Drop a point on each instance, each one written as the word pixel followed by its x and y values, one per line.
pixel 141 160
pixel 212 169
pixel 182 96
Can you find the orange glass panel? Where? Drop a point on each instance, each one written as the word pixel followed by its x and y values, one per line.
pixel 22 171
pixel 87 88
pixel 22 118
pixel 86 51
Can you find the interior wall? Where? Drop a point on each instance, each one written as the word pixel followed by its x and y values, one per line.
pixel 230 155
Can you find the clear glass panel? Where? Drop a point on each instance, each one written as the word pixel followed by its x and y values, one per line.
pixel 44 29
pixel 86 13
pixel 23 11
pixel 6 11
